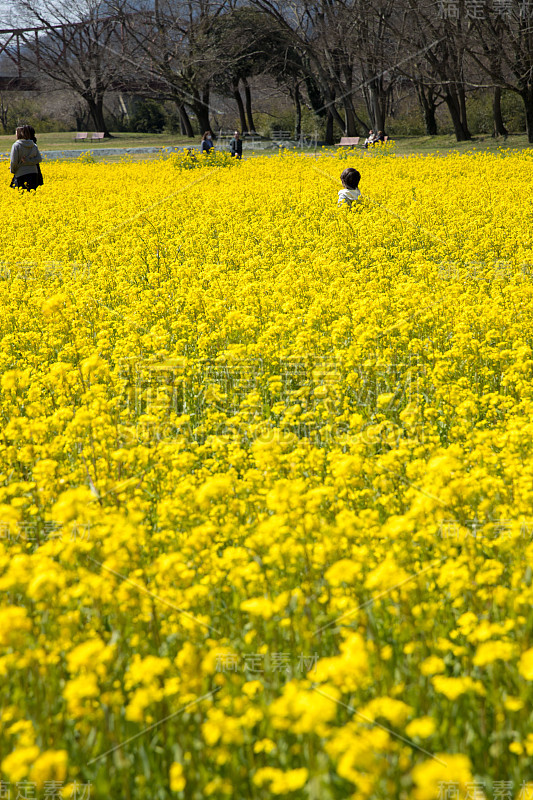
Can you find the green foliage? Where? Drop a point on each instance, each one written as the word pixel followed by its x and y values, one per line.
pixel 513 112
pixel 23 110
pixel 479 113
pixel 149 117
pixel 173 124
pixel 284 119
pixel 408 123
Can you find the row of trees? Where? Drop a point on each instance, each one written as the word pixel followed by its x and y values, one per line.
pixel 347 60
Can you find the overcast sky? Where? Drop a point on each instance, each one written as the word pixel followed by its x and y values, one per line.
pixel 7 19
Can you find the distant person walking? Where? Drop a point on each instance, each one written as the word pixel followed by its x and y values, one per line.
pixel 206 145
pixel 236 145
pixel 25 159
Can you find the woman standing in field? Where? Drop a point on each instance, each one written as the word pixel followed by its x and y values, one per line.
pixel 25 159
pixel 206 145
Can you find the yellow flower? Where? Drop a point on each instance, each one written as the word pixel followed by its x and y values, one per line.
pixel 259 607
pixel 49 766
pixel 395 711
pixel 303 710
pixel 429 776
pixel 525 666
pixel 264 746
pixel 17 765
pixel 453 688
pixel 388 575
pixel 488 652
pixel 281 782
pixel 85 656
pixel 177 778
pixel 513 704
pixel 80 694
pixel 14 623
pixel 343 571
pixel 432 666
pixel 421 727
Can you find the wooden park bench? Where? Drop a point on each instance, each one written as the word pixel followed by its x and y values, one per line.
pixel 278 136
pixel 80 136
pixel 348 141
pixel 97 136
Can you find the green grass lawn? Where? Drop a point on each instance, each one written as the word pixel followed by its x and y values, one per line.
pixel 65 141
pixel 427 145
pixel 404 145
pixel 447 143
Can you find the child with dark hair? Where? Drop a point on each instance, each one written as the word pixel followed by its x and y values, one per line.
pixel 350 178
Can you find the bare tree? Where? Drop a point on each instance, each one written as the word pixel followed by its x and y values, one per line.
pixel 434 36
pixel 350 49
pixel 177 40
pixel 503 48
pixel 249 44
pixel 308 24
pixel 78 46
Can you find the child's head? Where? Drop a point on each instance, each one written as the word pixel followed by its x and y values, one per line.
pixel 350 178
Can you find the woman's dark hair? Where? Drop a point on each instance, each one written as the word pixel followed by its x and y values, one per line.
pixel 32 132
pixel 25 132
pixel 350 178
pixel 207 135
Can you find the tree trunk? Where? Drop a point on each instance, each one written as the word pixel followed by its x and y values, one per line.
pixel 240 106
pixel 298 110
pixel 4 111
pixel 377 106
pixel 429 109
pixel 200 107
pixel 499 126
pixel 350 128
pixel 527 99
pixel 96 110
pixel 462 110
pixel 206 98
pixel 329 128
pixel 185 122
pixel 248 100
pixel 452 101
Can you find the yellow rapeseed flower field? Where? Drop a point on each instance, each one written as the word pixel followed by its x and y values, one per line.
pixel 266 490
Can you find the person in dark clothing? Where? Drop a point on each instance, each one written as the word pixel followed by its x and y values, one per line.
pixel 40 181
pixel 236 146
pixel 206 145
pixel 24 160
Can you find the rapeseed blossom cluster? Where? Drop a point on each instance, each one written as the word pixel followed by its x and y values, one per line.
pixel 266 487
